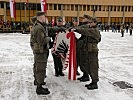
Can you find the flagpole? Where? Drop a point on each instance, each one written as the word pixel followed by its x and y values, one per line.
pixel 25 11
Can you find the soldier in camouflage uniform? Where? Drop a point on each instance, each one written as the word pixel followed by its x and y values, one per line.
pixel 81 54
pixel 90 48
pixel 38 43
pixel 52 33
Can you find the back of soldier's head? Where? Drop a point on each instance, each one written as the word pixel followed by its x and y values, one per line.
pixel 75 19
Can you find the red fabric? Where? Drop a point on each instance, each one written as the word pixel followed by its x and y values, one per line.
pixel 72 57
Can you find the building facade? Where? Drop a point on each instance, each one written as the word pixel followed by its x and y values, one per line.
pixel 107 11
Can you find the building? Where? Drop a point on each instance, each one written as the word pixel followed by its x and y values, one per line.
pixel 107 11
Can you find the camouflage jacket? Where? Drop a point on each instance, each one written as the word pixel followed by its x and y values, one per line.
pixel 38 39
pixel 91 37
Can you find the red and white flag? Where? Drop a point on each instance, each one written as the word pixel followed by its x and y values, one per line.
pixel 65 47
pixel 27 3
pixel 44 5
pixel 12 9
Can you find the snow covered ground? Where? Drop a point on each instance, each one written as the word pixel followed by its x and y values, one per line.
pixel 16 77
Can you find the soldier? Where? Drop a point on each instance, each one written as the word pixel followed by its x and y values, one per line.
pixel 82 54
pixel 52 33
pixel 122 30
pixel 92 38
pixel 39 42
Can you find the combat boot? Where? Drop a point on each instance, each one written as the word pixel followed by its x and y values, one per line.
pixel 42 91
pixel 92 86
pixel 81 77
pixel 85 78
pixel 61 74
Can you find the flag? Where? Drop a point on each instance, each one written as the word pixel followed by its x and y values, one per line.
pixel 12 9
pixel 44 5
pixel 27 3
pixel 65 47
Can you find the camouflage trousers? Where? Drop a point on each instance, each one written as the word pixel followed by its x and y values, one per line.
pixel 89 64
pixel 39 68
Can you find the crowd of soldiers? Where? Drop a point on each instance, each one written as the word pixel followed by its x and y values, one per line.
pixel 87 49
pixel 117 28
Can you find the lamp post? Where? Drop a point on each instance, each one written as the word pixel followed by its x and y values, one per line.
pixel 94 9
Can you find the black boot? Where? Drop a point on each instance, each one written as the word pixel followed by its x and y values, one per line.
pixel 85 78
pixel 92 86
pixel 42 91
pixel 35 83
pixel 56 73
pixel 81 77
pixel 61 74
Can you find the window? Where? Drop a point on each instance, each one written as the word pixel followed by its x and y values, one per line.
pixel 129 8
pixel 55 6
pixel 2 4
pixel 125 8
pixel 118 8
pixel 108 7
pixel 103 8
pixel 92 7
pixel 68 7
pixel 59 6
pixel 114 8
pixel 84 7
pixel 50 6
pixel 122 8
pixel 80 7
pixel 88 7
pixel 76 7
pixel 99 7
pixel 72 7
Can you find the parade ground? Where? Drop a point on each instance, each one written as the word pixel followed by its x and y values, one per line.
pixel 115 71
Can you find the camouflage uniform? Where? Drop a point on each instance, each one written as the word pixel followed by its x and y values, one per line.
pixel 89 51
pixel 57 60
pixel 40 50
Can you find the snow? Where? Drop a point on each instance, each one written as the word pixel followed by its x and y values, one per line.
pixel 16 71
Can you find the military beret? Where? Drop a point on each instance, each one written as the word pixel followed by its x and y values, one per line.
pixel 40 13
pixel 59 19
pixel 33 19
pixel 87 16
pixel 75 19
pixel 94 19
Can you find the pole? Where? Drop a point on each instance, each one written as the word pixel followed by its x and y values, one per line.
pixel 25 11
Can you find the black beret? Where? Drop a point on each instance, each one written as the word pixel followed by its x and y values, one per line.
pixel 59 19
pixel 40 13
pixel 75 19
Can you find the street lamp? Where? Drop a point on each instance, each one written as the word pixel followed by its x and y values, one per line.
pixel 94 9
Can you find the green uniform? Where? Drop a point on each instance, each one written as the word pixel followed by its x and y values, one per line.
pixel 89 51
pixel 38 42
pixel 57 60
